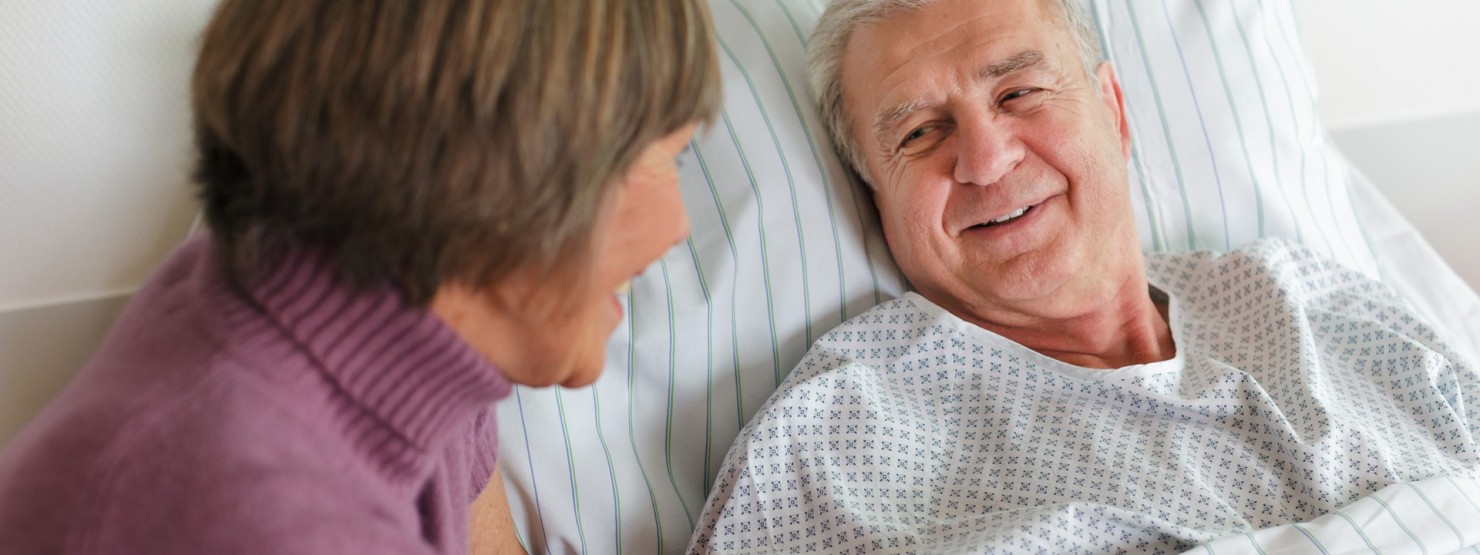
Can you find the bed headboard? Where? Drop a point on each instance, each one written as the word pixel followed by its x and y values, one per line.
pixel 94 152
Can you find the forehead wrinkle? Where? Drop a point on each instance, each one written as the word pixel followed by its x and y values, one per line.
pixel 887 117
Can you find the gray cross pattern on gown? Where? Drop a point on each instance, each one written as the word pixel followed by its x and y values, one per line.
pixel 1299 386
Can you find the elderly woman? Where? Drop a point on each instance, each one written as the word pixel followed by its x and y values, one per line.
pixel 411 205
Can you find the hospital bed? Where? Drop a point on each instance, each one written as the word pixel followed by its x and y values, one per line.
pixel 1228 148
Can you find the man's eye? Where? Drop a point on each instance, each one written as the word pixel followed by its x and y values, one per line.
pixel 1017 94
pixel 913 134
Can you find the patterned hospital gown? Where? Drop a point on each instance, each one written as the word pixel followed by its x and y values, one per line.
pixel 1298 386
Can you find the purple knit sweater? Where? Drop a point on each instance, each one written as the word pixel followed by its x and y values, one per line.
pixel 298 418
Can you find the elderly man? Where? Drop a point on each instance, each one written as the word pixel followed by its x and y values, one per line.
pixel 1046 387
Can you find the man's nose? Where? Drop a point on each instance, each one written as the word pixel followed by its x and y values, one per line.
pixel 986 151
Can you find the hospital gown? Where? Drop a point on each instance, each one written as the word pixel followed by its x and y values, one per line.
pixel 1298 386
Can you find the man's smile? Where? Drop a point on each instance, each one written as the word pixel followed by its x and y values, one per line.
pixel 1010 217
pixel 1013 213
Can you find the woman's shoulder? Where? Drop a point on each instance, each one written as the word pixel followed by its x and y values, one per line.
pixel 204 463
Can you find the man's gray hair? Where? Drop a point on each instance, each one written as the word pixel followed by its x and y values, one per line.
pixel 835 27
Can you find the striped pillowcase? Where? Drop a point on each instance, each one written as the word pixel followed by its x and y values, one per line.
pixel 1227 149
pixel 1226 145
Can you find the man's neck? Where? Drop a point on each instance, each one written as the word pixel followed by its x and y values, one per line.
pixel 1130 329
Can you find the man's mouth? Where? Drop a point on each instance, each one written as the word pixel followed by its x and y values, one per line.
pixel 1015 214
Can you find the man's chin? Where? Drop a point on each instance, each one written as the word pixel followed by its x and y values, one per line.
pixel 1028 279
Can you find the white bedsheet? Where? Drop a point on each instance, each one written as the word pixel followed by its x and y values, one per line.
pixel 1433 516
pixel 1416 271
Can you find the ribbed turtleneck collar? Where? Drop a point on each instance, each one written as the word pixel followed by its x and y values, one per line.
pixel 407 379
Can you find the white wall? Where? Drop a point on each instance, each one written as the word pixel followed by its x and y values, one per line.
pixel 1386 61
pixel 1400 91
pixel 94 160
pixel 95 143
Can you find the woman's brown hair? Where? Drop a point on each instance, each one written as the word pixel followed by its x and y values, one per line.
pixel 421 142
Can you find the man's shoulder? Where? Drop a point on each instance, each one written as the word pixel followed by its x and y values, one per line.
pixel 1269 288
pixel 891 345
pixel 882 333
pixel 892 311
pixel 859 346
pixel 1266 251
pixel 1276 262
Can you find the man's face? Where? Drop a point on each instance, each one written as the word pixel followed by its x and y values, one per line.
pixel 998 165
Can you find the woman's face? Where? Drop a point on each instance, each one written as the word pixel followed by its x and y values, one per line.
pixel 543 343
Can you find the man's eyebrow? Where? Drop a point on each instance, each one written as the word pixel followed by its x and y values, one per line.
pixel 1018 62
pixel 888 117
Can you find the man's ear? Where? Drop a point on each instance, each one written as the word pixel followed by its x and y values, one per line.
pixel 1114 99
pixel 860 181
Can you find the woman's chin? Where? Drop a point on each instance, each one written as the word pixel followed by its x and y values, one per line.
pixel 583 375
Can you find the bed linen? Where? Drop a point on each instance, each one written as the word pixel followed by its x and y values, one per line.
pixel 1299 386
pixel 1416 271
pixel 1438 515
pixel 1227 149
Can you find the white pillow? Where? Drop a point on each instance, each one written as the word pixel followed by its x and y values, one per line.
pixel 1226 145
pixel 1227 149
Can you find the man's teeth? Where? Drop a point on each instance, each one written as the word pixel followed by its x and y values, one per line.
pixel 1013 215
